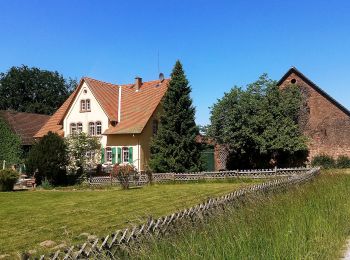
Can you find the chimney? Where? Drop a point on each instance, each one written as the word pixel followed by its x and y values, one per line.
pixel 138 83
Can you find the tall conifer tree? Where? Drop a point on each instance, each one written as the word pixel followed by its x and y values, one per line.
pixel 174 147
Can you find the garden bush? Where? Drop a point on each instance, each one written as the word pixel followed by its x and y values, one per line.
pixel 124 173
pixel 323 161
pixel 343 162
pixel 8 178
pixel 48 160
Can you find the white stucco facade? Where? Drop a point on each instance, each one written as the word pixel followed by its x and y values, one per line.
pixel 95 114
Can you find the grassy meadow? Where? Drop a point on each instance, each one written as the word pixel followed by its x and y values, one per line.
pixel 311 221
pixel 30 217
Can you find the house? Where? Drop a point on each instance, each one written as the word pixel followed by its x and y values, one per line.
pixel 124 117
pixel 323 120
pixel 25 125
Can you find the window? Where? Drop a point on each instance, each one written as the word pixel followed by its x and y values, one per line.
pixel 125 154
pixel 85 105
pixel 73 128
pixel 98 128
pixel 88 105
pixel 82 105
pixel 155 127
pixel 92 128
pixel 109 154
pixel 80 127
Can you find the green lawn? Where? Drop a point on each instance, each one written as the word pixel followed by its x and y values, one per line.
pixel 311 221
pixel 30 217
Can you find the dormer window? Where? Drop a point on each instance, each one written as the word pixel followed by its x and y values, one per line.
pixel 85 105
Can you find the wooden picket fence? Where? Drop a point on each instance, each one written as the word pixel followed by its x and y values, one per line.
pixel 142 179
pixel 119 242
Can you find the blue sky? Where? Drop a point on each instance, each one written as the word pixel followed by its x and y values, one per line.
pixel 220 43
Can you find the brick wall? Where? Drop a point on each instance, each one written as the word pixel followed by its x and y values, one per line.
pixel 326 125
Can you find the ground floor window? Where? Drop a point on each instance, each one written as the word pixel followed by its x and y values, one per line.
pixel 109 154
pixel 125 154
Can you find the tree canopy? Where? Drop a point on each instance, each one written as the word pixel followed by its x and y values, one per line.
pixel 174 147
pixel 33 90
pixel 10 145
pixel 259 125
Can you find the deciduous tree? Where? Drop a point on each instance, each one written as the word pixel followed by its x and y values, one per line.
pixel 259 125
pixel 33 90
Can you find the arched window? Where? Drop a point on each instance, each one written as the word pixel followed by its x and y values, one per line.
pixel 88 108
pixel 109 154
pixel 82 105
pixel 80 127
pixel 73 128
pixel 92 128
pixel 98 128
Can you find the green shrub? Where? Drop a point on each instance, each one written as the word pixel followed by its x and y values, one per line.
pixel 48 159
pixel 8 178
pixel 323 161
pixel 343 162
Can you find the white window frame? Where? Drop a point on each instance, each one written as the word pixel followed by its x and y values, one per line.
pixel 82 105
pixel 125 154
pixel 79 127
pixel 73 128
pixel 92 129
pixel 88 105
pixel 98 130
pixel 108 154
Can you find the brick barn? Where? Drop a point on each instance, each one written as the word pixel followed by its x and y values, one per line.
pixel 323 120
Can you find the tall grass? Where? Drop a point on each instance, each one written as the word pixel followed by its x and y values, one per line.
pixel 311 221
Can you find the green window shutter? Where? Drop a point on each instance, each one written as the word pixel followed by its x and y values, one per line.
pixel 102 155
pixel 119 155
pixel 113 155
pixel 130 155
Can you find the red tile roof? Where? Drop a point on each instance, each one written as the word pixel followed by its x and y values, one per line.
pixel 25 125
pixel 136 106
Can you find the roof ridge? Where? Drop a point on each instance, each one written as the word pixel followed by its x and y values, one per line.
pixel 124 84
pixel 88 78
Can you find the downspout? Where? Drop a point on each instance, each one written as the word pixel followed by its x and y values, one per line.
pixel 119 102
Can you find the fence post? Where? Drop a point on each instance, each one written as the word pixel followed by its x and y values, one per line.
pixel 3 165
